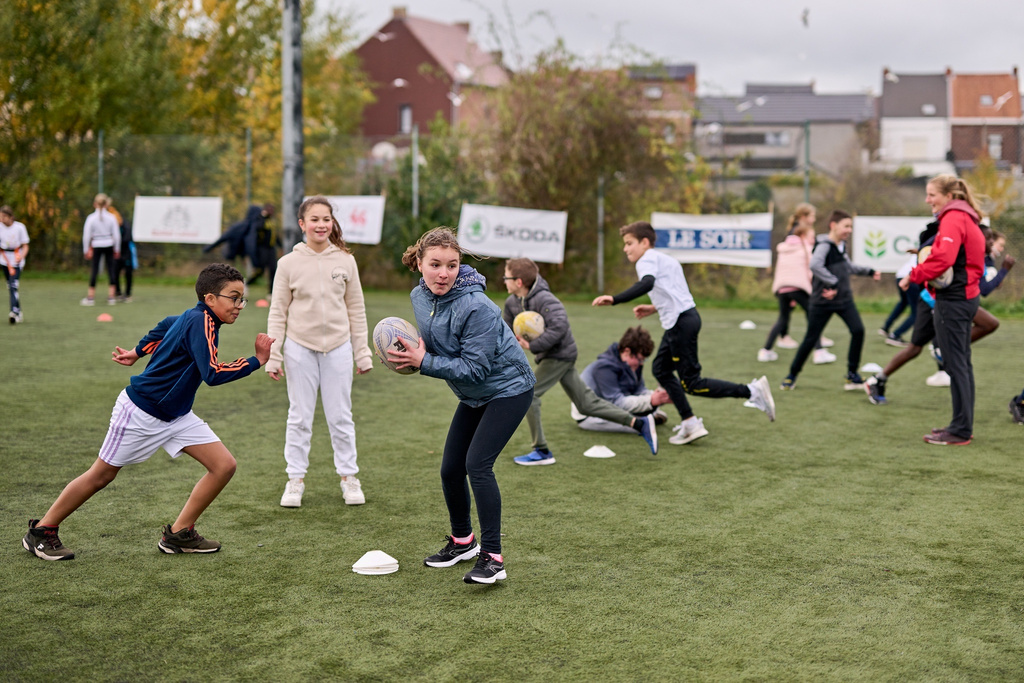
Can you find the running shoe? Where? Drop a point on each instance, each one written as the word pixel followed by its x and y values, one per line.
pixel 352 491
pixel 788 384
pixel 453 553
pixel 684 434
pixel 893 340
pixel 944 438
pixel 766 355
pixel 487 570
pixel 535 457
pixel 648 432
pixel 853 381
pixel 44 543
pixel 293 491
pixel 939 379
pixel 875 389
pixel 185 541
pixel 787 342
pixel 761 397
pixel 1017 410
pixel 826 343
pixel 822 356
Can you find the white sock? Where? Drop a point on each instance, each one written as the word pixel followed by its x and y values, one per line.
pixel 690 421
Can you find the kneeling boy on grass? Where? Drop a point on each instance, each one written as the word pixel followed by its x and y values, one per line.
pixel 555 351
pixel 662 276
pixel 155 410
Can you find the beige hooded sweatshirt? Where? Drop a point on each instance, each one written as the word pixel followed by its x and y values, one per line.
pixel 319 299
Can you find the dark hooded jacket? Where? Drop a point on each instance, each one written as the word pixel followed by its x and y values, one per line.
pixel 556 342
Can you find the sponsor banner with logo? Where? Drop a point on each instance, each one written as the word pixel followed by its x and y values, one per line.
pixel 186 220
pixel 732 239
pixel 512 233
pixel 881 242
pixel 361 218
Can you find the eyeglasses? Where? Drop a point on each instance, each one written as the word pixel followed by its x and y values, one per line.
pixel 238 301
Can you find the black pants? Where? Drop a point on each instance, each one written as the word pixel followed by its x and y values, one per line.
pixel 677 355
pixel 267 262
pixel 108 257
pixel 124 265
pixel 817 320
pixel 953 335
pixel 475 438
pixel 781 327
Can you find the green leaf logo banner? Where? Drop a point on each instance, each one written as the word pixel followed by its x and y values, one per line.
pixel 874 244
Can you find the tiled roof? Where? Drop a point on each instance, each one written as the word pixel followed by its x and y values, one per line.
pixel 913 95
pixel 985 95
pixel 780 89
pixel 787 108
pixel 450 45
pixel 664 72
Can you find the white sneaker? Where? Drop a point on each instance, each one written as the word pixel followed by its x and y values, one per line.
pixel 939 379
pixel 826 343
pixel 86 301
pixel 787 342
pixel 766 355
pixel 822 356
pixel 683 435
pixel 293 491
pixel 352 491
pixel 761 397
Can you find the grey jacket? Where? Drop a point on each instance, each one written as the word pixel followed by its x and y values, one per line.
pixel 467 343
pixel 557 342
pixel 831 269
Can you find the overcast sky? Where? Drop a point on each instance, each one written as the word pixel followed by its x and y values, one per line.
pixel 842 48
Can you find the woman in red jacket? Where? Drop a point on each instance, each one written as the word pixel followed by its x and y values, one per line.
pixel 952 271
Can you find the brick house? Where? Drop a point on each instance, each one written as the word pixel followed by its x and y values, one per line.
pixel 419 67
pixel 985 119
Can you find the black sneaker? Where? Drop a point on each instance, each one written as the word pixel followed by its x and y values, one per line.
pixel 43 542
pixel 453 553
pixel 487 570
pixel 1017 410
pixel 185 541
pixel 875 389
pixel 853 381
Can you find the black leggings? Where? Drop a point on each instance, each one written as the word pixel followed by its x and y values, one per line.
pixel 677 355
pixel 816 322
pixel 108 257
pixel 786 299
pixel 475 439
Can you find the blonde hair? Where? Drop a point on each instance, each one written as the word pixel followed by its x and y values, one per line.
pixel 101 201
pixel 957 188
pixel 802 210
pixel 335 236
pixel 442 236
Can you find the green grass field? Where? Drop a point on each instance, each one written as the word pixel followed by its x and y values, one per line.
pixel 833 544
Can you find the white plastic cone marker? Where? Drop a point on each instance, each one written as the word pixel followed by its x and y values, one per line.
pixel 871 367
pixel 748 325
pixel 599 452
pixel 375 562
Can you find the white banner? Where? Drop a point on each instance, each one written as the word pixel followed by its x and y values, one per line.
pixel 881 242
pixel 743 239
pixel 361 218
pixel 512 233
pixel 186 220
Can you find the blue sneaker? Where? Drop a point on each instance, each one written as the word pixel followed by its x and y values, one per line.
pixel 535 458
pixel 646 430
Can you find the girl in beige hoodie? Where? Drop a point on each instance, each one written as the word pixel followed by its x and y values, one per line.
pixel 317 306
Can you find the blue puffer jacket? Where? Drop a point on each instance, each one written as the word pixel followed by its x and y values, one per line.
pixel 468 344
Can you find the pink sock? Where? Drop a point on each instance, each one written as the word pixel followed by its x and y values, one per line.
pixel 499 558
pixel 464 540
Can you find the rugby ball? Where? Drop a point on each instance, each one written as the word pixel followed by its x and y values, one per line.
pixel 529 325
pixel 395 334
pixel 942 281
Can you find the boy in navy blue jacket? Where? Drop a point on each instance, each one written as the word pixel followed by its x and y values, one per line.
pixel 155 411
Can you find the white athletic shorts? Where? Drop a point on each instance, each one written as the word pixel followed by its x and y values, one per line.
pixel 135 435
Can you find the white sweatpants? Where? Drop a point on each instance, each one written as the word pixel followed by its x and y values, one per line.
pixel 306 372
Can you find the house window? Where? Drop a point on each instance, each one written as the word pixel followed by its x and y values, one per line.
pixel 744 139
pixel 995 146
pixel 986 100
pixel 405 119
pixel 653 92
pixel 928 109
pixel 777 139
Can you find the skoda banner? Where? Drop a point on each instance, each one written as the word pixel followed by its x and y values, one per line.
pixel 511 233
pixel 743 239
pixel 881 242
pixel 361 218
pixel 186 220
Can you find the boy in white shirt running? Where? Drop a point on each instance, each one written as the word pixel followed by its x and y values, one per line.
pixel 662 277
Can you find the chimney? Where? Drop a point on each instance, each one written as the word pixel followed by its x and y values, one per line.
pixel 398 13
pixel 464 25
